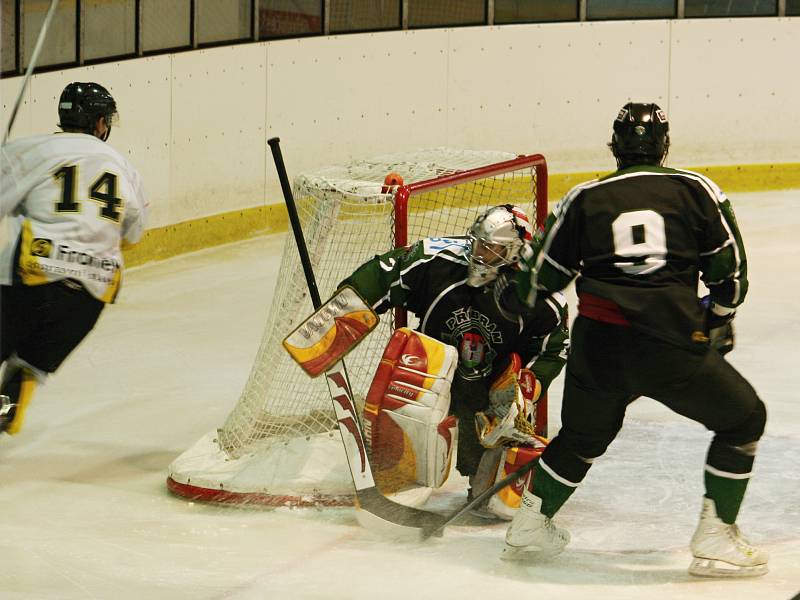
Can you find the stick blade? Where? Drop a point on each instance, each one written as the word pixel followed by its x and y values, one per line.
pixel 377 513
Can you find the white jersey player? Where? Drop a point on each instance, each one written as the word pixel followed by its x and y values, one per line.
pixel 67 202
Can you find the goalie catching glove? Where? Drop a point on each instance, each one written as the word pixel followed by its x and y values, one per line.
pixel 406 420
pixel 512 397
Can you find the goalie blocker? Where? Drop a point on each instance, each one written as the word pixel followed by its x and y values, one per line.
pixel 331 332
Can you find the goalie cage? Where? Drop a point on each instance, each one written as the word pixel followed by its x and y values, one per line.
pixel 280 445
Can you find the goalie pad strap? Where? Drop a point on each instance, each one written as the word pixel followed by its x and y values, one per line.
pixel 406 418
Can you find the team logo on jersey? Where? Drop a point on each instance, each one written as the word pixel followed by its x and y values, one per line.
pixel 42 247
pixel 474 334
pixel 472 350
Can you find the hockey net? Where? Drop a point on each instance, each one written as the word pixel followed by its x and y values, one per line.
pixel 280 445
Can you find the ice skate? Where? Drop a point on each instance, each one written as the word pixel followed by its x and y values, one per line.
pixel 531 534
pixel 720 550
pixel 7 410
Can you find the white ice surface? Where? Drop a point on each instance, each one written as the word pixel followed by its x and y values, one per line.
pixel 84 512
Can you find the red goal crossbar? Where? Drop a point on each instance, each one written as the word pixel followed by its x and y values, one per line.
pixel 405 194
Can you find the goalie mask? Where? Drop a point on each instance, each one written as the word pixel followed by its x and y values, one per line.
pixel 496 240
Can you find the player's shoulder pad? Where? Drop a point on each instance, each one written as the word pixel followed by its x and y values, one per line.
pixel 561 207
pixel 709 185
pixel 453 247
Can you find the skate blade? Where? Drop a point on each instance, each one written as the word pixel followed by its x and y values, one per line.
pixel 705 567
pixel 528 554
pixel 488 516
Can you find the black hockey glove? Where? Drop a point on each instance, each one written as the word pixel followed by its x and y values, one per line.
pixel 719 328
pixel 506 298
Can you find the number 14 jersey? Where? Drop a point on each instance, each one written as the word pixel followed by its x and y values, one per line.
pixel 68 200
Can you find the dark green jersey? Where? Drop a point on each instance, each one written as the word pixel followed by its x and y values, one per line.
pixel 640 239
pixel 430 280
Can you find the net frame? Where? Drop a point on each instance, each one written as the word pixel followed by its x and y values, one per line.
pixel 440 182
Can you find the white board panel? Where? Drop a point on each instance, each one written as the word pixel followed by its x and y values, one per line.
pixel 736 90
pixel 196 123
pixel 141 89
pixel 331 99
pixel 218 124
pixel 554 88
pixel 9 90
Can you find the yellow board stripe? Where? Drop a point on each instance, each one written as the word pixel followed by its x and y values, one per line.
pixel 171 240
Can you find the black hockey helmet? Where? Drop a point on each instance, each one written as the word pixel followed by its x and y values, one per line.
pixel 641 134
pixel 81 104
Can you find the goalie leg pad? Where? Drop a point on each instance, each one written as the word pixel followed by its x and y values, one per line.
pixel 505 503
pixel 406 418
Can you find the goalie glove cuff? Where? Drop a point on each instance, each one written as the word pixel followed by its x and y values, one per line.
pixel 514 428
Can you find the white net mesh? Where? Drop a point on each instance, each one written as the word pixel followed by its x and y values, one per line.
pixel 346 219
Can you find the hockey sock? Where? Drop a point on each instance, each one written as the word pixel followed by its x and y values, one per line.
pixel 552 492
pixel 727 495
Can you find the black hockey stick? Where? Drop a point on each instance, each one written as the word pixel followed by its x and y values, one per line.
pixel 374 510
pixel 31 66
pixel 436 530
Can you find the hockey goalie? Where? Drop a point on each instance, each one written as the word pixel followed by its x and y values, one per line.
pixel 461 290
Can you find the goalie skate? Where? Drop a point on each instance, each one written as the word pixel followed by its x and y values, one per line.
pixel 531 534
pixel 720 550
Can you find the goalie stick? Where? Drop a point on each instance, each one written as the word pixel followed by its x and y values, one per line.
pixel 374 510
pixel 436 530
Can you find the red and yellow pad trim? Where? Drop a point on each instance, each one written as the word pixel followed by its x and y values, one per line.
pixel 331 332
pixel 514 458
